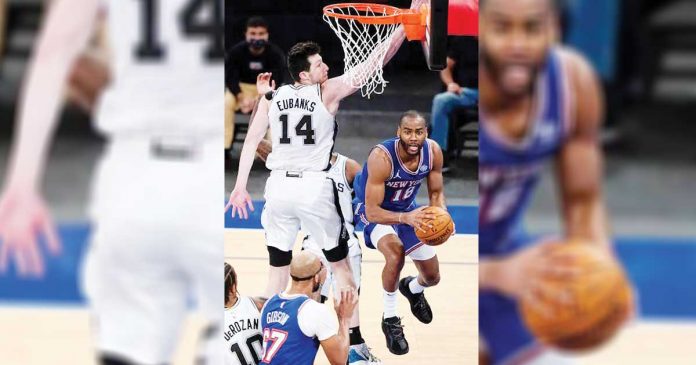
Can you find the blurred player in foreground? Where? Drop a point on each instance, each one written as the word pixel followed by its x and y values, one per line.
pixel 155 190
pixel 295 323
pixel 539 102
pixel 386 192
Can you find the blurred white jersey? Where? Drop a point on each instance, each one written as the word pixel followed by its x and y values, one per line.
pixel 302 129
pixel 242 333
pixel 167 67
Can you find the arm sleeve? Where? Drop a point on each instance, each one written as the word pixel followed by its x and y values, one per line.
pixel 315 320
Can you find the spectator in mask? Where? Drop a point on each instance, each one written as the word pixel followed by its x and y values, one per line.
pixel 244 61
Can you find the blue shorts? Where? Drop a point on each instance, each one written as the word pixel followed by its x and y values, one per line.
pixel 406 233
pixel 500 323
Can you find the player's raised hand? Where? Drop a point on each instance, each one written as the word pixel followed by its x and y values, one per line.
pixel 418 218
pixel 24 221
pixel 239 201
pixel 264 83
pixel 345 303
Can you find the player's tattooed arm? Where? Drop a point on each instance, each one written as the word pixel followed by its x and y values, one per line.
pixel 580 162
pixel 379 169
pixel 436 190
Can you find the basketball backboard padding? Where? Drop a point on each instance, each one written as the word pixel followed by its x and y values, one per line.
pixel 463 18
pixel 435 44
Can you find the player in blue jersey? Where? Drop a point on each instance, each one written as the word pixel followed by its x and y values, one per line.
pixel 539 102
pixel 295 324
pixel 385 200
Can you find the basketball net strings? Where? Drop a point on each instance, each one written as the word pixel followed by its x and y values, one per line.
pixel 364 48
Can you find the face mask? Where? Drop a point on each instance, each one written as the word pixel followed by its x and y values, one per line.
pixel 257 43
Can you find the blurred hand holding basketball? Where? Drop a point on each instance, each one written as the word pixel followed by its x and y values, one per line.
pixel 264 83
pixel 24 219
pixel 439 228
pixel 520 276
pixel 417 218
pixel 601 298
pixel 239 201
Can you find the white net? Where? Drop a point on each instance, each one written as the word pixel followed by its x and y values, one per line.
pixel 364 47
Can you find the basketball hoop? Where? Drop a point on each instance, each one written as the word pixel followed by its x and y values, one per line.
pixel 366 31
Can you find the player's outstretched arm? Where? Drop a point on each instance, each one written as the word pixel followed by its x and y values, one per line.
pixel 336 89
pixel 379 169
pixel 436 186
pixel 23 213
pixel 352 169
pixel 240 198
pixel 336 347
pixel 580 162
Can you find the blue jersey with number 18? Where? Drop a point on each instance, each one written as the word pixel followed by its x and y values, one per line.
pixel 401 188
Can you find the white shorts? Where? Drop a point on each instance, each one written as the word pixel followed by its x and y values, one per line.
pixel 419 252
pixel 354 259
pixel 152 256
pixel 307 201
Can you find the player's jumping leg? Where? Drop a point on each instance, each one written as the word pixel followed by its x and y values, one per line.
pixel 413 287
pixel 390 246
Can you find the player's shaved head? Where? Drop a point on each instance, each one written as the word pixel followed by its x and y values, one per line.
pixel 412 115
pixel 304 266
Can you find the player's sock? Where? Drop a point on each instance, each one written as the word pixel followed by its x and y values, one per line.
pixel 389 299
pixel 355 336
pixel 415 287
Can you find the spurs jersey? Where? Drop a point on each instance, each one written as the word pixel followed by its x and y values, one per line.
pixel 167 67
pixel 302 129
pixel 337 173
pixel 509 171
pixel 242 333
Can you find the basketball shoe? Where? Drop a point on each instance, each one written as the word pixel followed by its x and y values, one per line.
pixel 419 305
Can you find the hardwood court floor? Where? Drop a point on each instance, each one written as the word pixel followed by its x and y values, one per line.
pixel 61 335
pixel 452 337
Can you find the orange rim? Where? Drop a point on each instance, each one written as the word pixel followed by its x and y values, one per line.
pixel 393 17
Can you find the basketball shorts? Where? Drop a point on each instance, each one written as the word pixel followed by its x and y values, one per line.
pixel 413 247
pixel 155 250
pixel 307 200
pixel 507 340
pixel 354 259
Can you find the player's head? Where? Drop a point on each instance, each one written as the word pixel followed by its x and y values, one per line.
pixel 515 38
pixel 306 65
pixel 256 33
pixel 230 283
pixel 306 267
pixel 412 132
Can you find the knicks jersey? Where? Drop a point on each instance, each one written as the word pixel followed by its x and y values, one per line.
pixel 402 186
pixel 284 341
pixel 303 131
pixel 167 67
pixel 509 171
pixel 242 333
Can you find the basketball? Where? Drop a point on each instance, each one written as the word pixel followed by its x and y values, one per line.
pixel 602 301
pixel 441 230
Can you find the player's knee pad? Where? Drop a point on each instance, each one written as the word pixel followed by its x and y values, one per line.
pixel 112 359
pixel 337 253
pixel 278 258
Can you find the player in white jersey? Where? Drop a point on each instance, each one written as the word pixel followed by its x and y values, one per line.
pixel 303 129
pixel 157 238
pixel 342 173
pixel 242 329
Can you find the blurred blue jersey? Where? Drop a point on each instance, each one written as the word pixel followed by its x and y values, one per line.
pixel 509 170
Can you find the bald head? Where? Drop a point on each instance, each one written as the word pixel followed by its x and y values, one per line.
pixel 304 266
